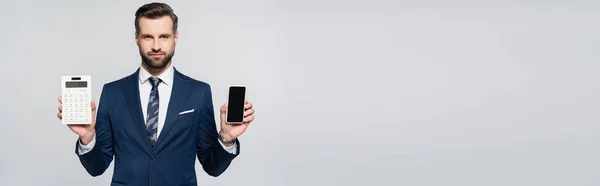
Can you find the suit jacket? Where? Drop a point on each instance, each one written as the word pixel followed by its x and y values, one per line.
pixel 121 132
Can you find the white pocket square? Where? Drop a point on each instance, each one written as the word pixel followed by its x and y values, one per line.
pixel 187 111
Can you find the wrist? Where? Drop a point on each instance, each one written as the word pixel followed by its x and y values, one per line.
pixel 87 138
pixel 225 135
pixel 226 139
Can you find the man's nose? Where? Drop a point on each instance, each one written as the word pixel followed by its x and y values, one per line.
pixel 156 45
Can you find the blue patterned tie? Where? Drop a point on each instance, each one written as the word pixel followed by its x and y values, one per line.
pixel 152 114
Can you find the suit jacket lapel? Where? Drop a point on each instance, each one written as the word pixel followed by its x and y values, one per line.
pixel 179 96
pixel 132 98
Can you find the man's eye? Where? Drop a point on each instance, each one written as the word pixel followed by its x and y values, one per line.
pixel 164 36
pixel 147 37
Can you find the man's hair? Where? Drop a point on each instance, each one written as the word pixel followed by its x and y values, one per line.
pixel 154 11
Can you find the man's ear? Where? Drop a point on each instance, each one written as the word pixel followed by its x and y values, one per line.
pixel 176 36
pixel 137 38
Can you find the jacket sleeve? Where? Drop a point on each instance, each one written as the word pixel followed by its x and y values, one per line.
pixel 212 156
pixel 99 158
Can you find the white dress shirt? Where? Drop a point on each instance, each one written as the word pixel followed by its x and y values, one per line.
pixel 164 96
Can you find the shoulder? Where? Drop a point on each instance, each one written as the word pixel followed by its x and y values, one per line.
pixel 119 84
pixel 194 84
pixel 200 89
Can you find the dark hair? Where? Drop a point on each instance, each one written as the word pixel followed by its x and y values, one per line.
pixel 153 11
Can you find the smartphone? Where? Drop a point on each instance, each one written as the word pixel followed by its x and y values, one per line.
pixel 235 104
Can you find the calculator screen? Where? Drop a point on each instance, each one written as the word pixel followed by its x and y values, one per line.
pixel 76 84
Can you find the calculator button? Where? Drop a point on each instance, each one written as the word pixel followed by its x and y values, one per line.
pixel 76 106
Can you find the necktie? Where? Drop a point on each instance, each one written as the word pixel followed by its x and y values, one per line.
pixel 152 114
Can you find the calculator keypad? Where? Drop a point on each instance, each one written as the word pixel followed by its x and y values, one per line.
pixel 76 106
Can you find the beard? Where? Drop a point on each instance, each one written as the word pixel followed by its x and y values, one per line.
pixel 156 63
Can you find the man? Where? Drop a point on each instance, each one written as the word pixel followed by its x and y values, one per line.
pixel 156 121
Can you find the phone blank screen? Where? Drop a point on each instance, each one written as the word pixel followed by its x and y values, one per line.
pixel 235 105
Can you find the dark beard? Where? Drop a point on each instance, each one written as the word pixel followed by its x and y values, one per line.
pixel 152 63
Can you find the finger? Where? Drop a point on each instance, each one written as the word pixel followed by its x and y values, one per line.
pixel 246 101
pixel 60 108
pixel 93 105
pixel 60 99
pixel 248 105
pixel 249 119
pixel 59 115
pixel 223 109
pixel 248 112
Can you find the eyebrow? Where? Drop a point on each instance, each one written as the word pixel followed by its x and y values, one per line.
pixel 148 35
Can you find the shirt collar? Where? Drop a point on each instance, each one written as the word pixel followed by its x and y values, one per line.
pixel 166 76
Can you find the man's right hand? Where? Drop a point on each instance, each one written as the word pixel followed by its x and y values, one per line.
pixel 87 131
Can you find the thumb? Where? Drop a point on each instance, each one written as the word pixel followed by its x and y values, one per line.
pixel 93 104
pixel 223 110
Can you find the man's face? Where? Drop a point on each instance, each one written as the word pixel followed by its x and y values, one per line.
pixel 156 41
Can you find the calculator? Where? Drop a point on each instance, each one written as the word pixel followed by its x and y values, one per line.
pixel 76 99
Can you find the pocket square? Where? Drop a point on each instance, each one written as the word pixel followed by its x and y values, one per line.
pixel 187 111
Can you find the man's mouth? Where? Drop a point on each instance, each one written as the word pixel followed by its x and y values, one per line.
pixel 156 55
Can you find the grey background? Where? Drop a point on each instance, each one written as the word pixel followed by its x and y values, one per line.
pixel 376 92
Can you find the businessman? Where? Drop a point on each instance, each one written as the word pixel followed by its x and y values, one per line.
pixel 156 121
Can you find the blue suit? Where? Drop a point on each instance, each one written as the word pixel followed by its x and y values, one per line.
pixel 121 132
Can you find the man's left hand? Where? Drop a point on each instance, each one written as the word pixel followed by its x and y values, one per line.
pixel 232 131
